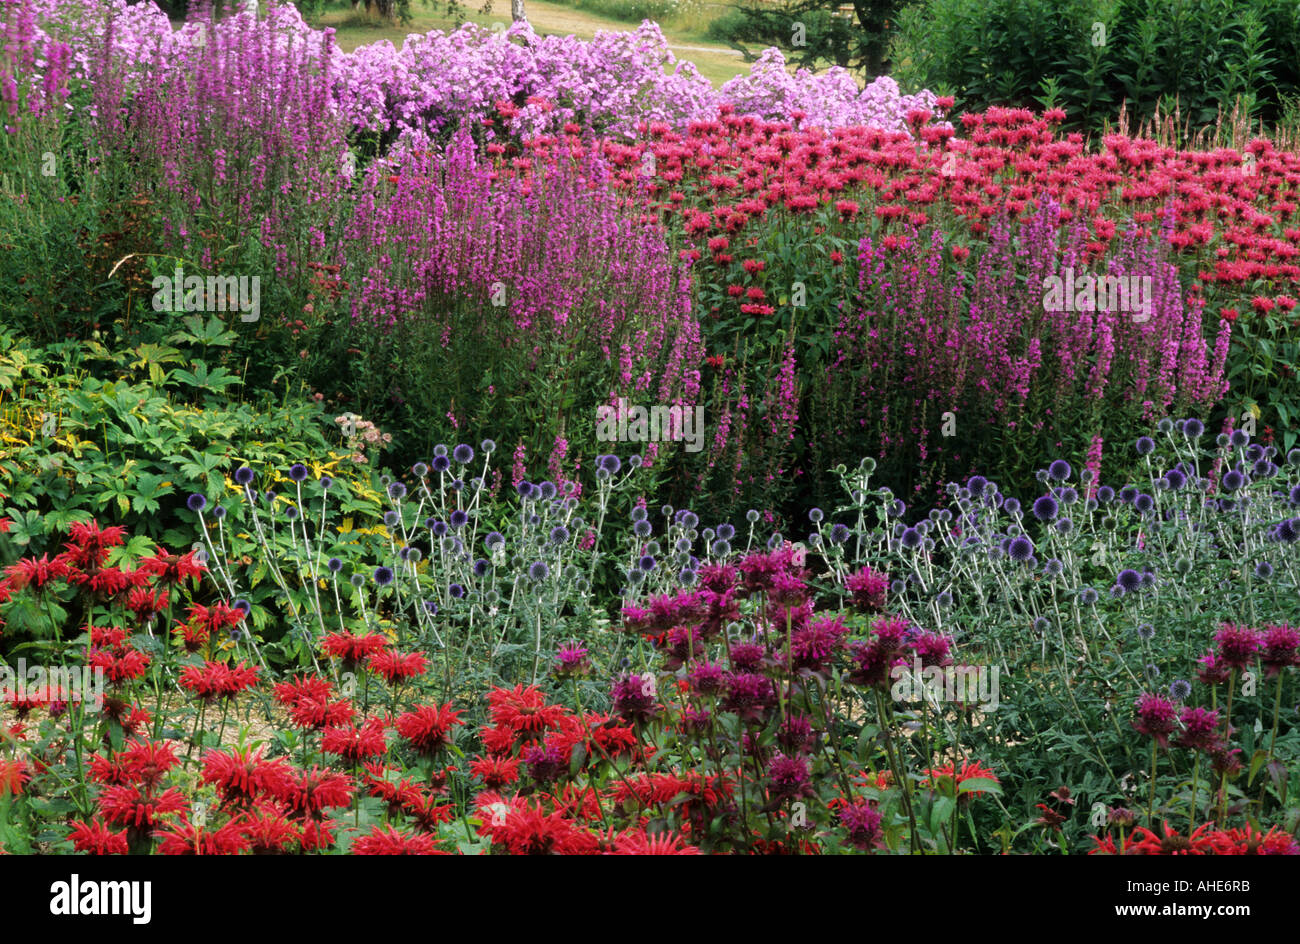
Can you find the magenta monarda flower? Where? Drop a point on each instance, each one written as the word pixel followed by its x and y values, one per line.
pixel 748 695
pixel 867 589
pixel 706 678
pixel 1155 717
pixel 1200 729
pixel 788 778
pixel 933 649
pixel 1212 670
pixel 787 590
pixel 863 825
pixel 572 660
pixel 812 646
pixel 1279 645
pixel 634 698
pixel 1238 645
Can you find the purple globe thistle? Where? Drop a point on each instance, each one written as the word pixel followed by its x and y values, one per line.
pixel 481 567
pixel 440 463
pixel 494 539
pixel 457 519
pixel 1193 428
pixel 976 485
pixel 1174 479
pixel 1129 580
pixel 488 447
pixel 1105 494
pixel 910 538
pixel 219 512
pixel 326 482
pixel 244 475
pixel 646 563
pixel 298 472
pixel 1239 438
pixel 1200 729
pixel 1142 502
pixel 1145 445
pixel 1237 645
pixel 1021 549
pixel 538 570
pixel 196 502
pixel 1155 717
pixel 383 576
pixel 396 490
pixel 1045 508
pixel 334 565
pixel 420 470
pixel 863 825
pixel 1059 470
pixel 788 778
pixel 1278 647
pixel 391 518
pixel 1180 689
pixel 456 591
pixel 611 464
pixel 463 453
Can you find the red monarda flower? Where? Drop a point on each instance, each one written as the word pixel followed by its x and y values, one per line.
pixel 385 840
pixel 214 680
pixel 185 838
pixel 316 790
pixel 524 710
pixel 96 838
pixel 140 762
pixel 395 667
pixel 269 831
pixel 1145 842
pixel 428 728
pixel 242 775
pixel 172 568
pixel 131 806
pixel 495 772
pixel 638 842
pixel 354 744
pixel 13 776
pixel 351 648
pixel 119 667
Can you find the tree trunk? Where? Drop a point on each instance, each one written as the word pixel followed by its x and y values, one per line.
pixel 517 10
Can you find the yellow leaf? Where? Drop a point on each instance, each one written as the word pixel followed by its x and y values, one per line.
pixel 346 526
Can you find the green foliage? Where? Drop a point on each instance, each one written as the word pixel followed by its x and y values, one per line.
pixel 1089 56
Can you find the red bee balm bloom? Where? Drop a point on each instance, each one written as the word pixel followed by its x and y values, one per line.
pixel 428 728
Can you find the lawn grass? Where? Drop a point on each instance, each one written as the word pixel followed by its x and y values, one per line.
pixel 716 62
